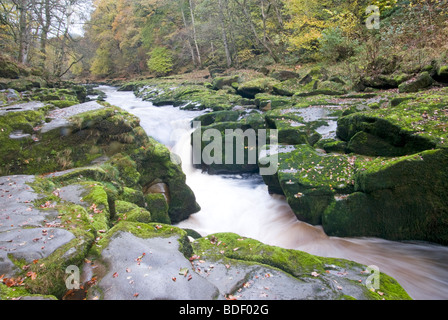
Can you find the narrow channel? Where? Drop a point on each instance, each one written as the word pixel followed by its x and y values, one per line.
pixel 242 204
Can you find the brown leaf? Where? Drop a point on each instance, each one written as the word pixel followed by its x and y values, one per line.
pixel 32 275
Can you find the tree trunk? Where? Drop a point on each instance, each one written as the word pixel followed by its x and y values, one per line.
pixel 194 31
pixel 190 47
pixel 224 35
pixel 22 7
pixel 45 21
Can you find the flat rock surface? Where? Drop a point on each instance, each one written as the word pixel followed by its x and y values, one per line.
pixel 29 106
pixel 25 231
pixel 60 117
pixel 153 276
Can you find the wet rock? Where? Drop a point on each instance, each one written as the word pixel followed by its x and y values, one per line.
pixel 422 81
pixel 283 75
pixel 149 269
pixel 250 88
pixel 399 199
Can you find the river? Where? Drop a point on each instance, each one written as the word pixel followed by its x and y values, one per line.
pixel 242 204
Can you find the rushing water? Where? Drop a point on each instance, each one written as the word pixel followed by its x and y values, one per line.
pixel 242 204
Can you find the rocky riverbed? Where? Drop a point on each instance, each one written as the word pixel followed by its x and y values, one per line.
pixel 83 185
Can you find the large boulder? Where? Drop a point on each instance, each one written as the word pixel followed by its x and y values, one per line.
pixel 8 69
pixel 442 74
pixel 157 262
pixel 250 89
pixel 422 81
pixel 398 199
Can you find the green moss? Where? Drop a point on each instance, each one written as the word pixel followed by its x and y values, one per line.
pixel 267 101
pixel 139 215
pixel 331 145
pixel 229 247
pixel 252 87
pixel 98 202
pixel 398 199
pixel 127 169
pixel 233 246
pixel 218 116
pixel 145 230
pixel 422 81
pixel 8 69
pixel 63 103
pixel 16 293
pixel 157 205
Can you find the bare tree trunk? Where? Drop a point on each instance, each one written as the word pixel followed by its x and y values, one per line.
pixel 224 35
pixel 194 31
pixel 190 47
pixel 43 11
pixel 254 30
pixel 23 38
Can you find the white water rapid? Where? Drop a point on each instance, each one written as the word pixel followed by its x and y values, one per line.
pixel 242 204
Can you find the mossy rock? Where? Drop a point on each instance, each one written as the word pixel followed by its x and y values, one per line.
pixel 63 103
pixel 21 85
pixel 367 144
pixel 292 129
pixel 442 74
pixel 398 199
pixel 422 81
pixel 219 83
pixel 236 147
pixel 218 116
pixel 139 215
pixel 132 196
pixel 8 69
pixel 380 81
pixel 154 162
pixel 236 252
pixel 413 122
pixel 158 206
pixel 283 75
pixel 267 102
pixel 97 201
pixel 332 145
pixel 390 138
pixel 310 181
pixel 288 87
pixel 250 88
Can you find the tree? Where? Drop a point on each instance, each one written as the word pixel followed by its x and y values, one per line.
pixel 160 62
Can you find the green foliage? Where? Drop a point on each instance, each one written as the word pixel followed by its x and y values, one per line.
pixel 160 61
pixel 335 46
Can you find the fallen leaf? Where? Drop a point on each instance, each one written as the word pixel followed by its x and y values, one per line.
pixel 174 279
pixel 183 272
pixel 194 257
pixel 115 275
